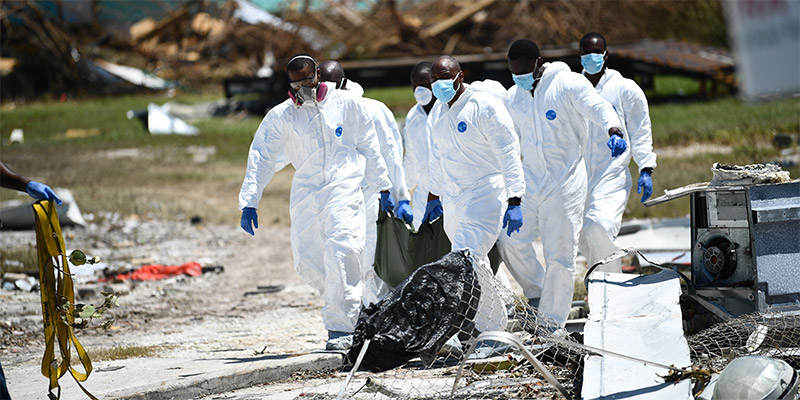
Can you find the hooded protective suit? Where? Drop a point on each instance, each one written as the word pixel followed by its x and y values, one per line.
pixel 415 160
pixel 326 143
pixel 609 178
pixel 392 152
pixel 552 126
pixel 475 167
pixel 353 87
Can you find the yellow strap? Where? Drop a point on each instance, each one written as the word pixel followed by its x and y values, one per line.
pixel 56 283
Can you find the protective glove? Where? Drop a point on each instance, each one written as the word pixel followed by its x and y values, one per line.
pixel 40 191
pixel 249 220
pixel 404 212
pixel 513 219
pixel 645 185
pixel 433 210
pixel 617 145
pixel 387 202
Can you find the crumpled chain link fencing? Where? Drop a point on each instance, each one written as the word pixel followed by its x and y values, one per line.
pixel 428 322
pixel 774 335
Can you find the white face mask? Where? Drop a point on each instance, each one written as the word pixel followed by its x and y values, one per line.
pixel 423 95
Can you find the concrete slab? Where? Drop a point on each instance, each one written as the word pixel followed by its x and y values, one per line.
pixel 170 378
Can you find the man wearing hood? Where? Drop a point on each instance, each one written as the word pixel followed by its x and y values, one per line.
pixel 327 135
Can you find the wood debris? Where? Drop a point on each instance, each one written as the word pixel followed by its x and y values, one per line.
pixel 200 41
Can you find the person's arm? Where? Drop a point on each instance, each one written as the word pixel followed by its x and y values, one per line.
pixel 391 149
pixel 498 128
pixel 376 174
pixel 595 108
pixel 637 122
pixel 592 106
pixel 12 180
pixel 433 207
pixel 263 158
pixel 412 154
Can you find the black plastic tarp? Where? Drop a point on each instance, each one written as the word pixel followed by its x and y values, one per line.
pixel 419 315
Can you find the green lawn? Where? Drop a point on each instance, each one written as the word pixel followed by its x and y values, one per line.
pixel 163 181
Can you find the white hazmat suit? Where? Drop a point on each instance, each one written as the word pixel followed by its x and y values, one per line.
pixel 415 160
pixel 326 143
pixel 552 126
pixel 475 167
pixel 609 178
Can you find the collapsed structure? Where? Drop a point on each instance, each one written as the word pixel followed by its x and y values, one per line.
pixel 51 46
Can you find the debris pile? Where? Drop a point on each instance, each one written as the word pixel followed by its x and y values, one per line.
pixel 199 41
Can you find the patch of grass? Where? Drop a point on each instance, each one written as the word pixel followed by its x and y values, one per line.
pixel 123 352
pixel 673 85
pixel 45 121
pixel 398 99
pixel 726 121
pixel 19 259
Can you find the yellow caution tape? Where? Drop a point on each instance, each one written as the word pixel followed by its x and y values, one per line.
pixel 56 289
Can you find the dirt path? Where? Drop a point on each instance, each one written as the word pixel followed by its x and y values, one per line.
pixel 180 315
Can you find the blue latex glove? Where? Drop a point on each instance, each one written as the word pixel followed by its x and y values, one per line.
pixel 513 219
pixel 249 220
pixel 387 202
pixel 40 191
pixel 645 185
pixel 404 212
pixel 433 210
pixel 617 145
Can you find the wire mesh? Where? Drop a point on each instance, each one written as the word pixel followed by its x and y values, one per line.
pixel 767 334
pixel 494 369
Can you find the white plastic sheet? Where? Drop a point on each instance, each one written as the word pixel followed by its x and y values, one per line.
pixel 638 316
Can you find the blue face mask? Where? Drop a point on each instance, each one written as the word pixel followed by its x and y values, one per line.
pixel 524 81
pixel 593 62
pixel 443 89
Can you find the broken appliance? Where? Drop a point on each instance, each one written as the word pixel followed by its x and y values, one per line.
pixel 745 246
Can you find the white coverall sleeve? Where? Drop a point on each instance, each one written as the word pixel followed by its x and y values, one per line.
pixel 390 142
pixel 591 105
pixel 412 159
pixel 436 175
pixel 282 161
pixel 376 174
pixel 508 102
pixel 637 122
pixel 262 161
pixel 415 157
pixel 498 127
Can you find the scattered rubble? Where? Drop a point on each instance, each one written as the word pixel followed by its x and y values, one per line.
pixel 200 41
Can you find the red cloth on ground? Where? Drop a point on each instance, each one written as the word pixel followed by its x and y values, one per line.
pixel 156 272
